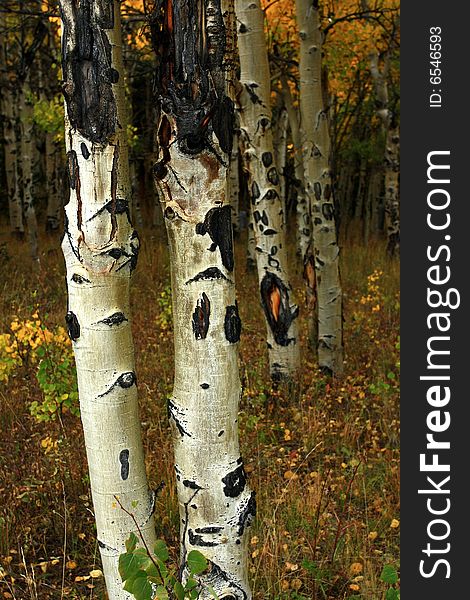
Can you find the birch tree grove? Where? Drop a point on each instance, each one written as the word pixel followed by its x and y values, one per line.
pixel 101 248
pixel 195 136
pixel 316 154
pixel 275 290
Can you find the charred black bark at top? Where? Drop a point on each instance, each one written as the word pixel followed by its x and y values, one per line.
pixel 218 224
pixel 86 65
pixel 275 302
pixel 189 38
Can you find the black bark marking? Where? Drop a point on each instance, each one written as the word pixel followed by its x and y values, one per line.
pixel 217 577
pixel 86 60
pixel 317 190
pixel 250 88
pixel 234 482
pixel 124 381
pixel 205 386
pixel 218 224
pixel 267 159
pixel 209 274
pixel 114 319
pixel 243 28
pixel 271 195
pixel 223 124
pixel 192 485
pixel 211 529
pixel 196 540
pixel 269 231
pixel 247 514
pixel 116 253
pixel 73 326
pixel 273 176
pixel 85 151
pixel 201 316
pixel 221 433
pixel 119 206
pixel 232 324
pixel 275 302
pixel 124 460
pixel 173 413
pixel 263 217
pixel 72 169
pixel 328 211
pixel 255 193
pixel 76 278
pixel 327 192
pixel 104 546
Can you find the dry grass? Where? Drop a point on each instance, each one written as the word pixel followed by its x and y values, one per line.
pixel 323 460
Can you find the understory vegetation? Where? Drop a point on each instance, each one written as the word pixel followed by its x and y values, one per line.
pixel 322 455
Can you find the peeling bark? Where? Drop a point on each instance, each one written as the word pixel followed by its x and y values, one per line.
pixel 316 155
pixel 195 136
pixel 271 258
pixel 101 248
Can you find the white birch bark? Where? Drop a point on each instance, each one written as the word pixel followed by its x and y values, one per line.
pixel 26 119
pixel 100 248
pixel 276 293
pixel 195 139
pixel 316 153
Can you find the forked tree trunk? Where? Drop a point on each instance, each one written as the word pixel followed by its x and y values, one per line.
pixel 316 153
pixel 276 293
pixel 195 136
pixel 101 248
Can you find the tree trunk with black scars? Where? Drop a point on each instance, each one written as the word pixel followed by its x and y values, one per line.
pixel 195 135
pixel 276 294
pixel 101 248
pixel 280 152
pixel 233 184
pixel 26 145
pixel 304 223
pixel 316 155
pixel 54 205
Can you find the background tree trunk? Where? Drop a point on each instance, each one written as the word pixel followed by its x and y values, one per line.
pixel 276 294
pixel 195 136
pixel 101 249
pixel 316 152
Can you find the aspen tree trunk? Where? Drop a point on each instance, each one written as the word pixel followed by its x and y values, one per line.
pixel 316 153
pixel 233 183
pixel 26 118
pixel 11 163
pixel 195 137
pixel 280 153
pixel 276 294
pixel 101 248
pixel 392 190
pixel 7 106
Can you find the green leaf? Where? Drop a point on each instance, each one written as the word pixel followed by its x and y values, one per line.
pixel 197 563
pixel 161 593
pixel 179 590
pixel 131 543
pixel 392 594
pixel 190 584
pixel 389 575
pixel 161 551
pixel 131 563
pixel 142 589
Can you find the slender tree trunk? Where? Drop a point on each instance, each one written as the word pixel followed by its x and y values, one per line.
pixel 11 163
pixel 280 154
pixel 195 140
pixel 233 184
pixel 26 118
pixel 54 205
pixel 392 152
pixel 276 293
pixel 101 248
pixel 316 152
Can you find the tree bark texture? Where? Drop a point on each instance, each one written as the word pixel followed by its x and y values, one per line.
pixel 195 137
pixel 101 248
pixel 11 163
pixel 277 301
pixel 316 153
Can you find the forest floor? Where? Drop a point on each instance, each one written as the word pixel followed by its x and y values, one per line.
pixel 324 461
